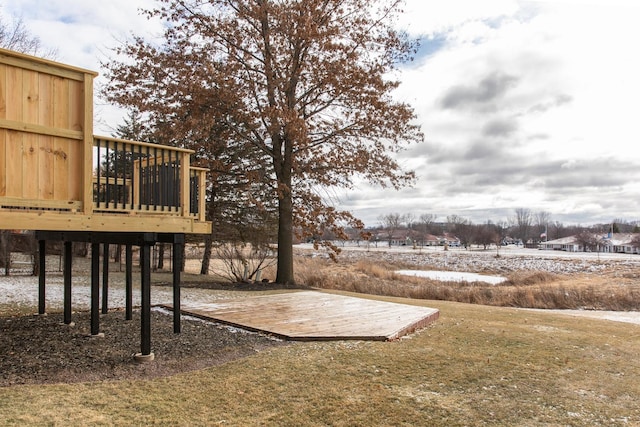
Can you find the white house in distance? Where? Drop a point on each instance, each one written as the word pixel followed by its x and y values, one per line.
pixel 567 244
pixel 624 243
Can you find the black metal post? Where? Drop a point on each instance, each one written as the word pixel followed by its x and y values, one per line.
pixel 145 284
pixel 105 278
pixel 95 288
pixel 177 266
pixel 128 282
pixel 42 245
pixel 67 282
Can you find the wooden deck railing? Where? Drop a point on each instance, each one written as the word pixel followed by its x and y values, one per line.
pixel 56 175
pixel 144 178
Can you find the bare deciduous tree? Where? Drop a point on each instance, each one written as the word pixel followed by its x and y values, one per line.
pixel 391 223
pixel 14 35
pixel 523 220
pixel 587 240
pixel 305 85
pixel 542 219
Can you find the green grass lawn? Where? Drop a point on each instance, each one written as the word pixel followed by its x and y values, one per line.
pixel 475 366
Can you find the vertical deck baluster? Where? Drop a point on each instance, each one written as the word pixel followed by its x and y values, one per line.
pixel 147 196
pixel 168 185
pixel 174 182
pixel 107 166
pixel 156 194
pixel 162 183
pixel 98 192
pixel 179 188
pixel 140 177
pixel 132 163
pixel 165 181
pixel 192 194
pixel 118 166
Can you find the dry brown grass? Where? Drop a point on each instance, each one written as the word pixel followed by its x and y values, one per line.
pixel 527 289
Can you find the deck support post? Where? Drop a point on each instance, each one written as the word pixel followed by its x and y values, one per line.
pixel 95 288
pixel 145 297
pixel 105 278
pixel 97 239
pixel 128 282
pixel 67 282
pixel 178 253
pixel 42 245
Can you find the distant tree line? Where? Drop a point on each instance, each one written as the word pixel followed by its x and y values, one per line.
pixel 525 226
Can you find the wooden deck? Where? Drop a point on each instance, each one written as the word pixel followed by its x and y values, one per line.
pixel 317 316
pixel 56 175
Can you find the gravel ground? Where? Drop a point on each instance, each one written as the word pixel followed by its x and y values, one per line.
pixel 41 349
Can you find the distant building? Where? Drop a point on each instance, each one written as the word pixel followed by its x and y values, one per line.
pixel 624 243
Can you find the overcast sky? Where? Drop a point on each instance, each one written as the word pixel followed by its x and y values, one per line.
pixel 524 104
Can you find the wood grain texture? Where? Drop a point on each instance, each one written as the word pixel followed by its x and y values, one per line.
pixel 317 316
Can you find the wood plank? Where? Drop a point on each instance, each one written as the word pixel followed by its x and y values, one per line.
pixel 3 90
pixel 40 130
pixel 60 157
pixel 13 164
pixel 3 163
pixel 146 144
pixel 13 142
pixel 14 94
pixel 30 149
pixel 60 97
pixel 60 152
pixel 185 175
pixel 76 221
pixel 29 62
pixel 87 146
pixel 45 95
pixel 45 175
pixel 77 108
pixel 312 315
pixel 30 97
pixel 45 146
pixel 30 167
pixel 13 202
pixel 76 170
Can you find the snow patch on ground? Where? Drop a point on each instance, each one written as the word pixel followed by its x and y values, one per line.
pixel 23 290
pixel 615 316
pixel 453 276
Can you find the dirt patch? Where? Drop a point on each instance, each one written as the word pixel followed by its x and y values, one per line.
pixel 43 350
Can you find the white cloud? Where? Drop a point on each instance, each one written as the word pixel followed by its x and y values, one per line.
pixel 513 91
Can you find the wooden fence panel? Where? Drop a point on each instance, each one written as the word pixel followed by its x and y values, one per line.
pixel 43 140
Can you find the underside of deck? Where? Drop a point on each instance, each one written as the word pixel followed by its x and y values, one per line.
pixel 317 316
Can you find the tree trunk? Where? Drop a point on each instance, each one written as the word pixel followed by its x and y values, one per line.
pixel 5 251
pixel 206 257
pixel 161 256
pixel 118 255
pixel 285 239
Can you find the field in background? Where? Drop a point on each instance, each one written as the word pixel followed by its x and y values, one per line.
pixel 535 279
